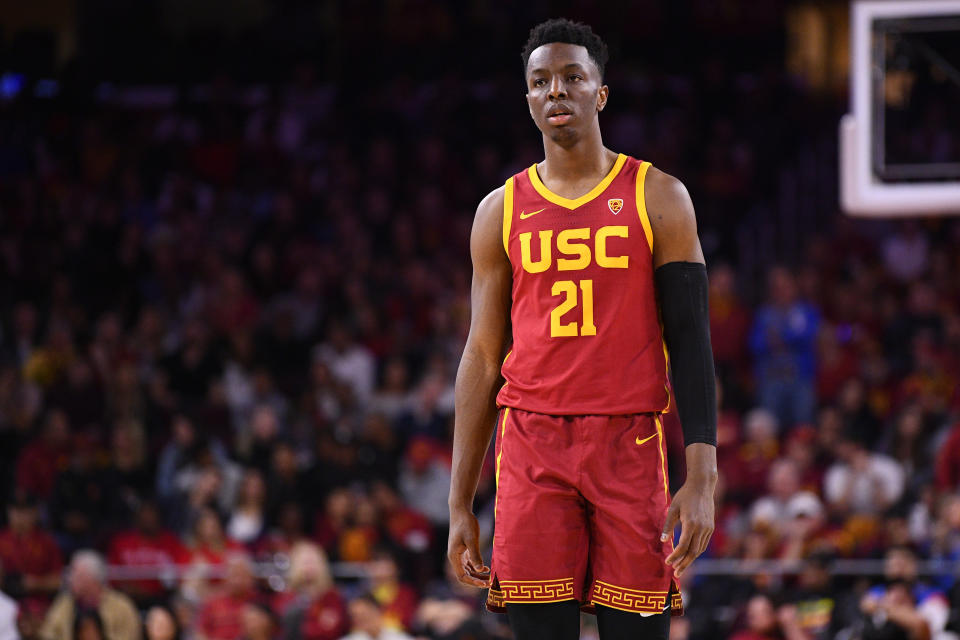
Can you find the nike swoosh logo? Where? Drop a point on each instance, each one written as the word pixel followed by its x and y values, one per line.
pixel 524 216
pixel 639 441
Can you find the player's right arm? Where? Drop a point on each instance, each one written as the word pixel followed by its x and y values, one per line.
pixel 478 380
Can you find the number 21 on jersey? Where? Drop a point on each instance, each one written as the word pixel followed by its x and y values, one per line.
pixel 568 289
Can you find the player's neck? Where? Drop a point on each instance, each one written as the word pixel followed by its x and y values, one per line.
pixel 588 159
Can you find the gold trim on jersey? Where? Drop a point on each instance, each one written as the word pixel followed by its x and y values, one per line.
pixel 507 213
pixel 642 204
pixel 496 475
pixel 663 460
pixel 648 232
pixel 568 203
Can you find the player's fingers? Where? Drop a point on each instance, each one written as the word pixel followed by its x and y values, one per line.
pixel 673 514
pixel 476 560
pixel 466 573
pixel 683 545
pixel 684 562
pixel 702 539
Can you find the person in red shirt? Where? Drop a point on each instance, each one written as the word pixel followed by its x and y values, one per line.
pixel 29 555
pixel 398 600
pixel 947 473
pixel 210 545
pixel 312 608
pixel 148 546
pixel 221 614
pixel 729 322
pixel 45 456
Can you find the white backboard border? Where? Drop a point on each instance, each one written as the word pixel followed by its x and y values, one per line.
pixel 861 194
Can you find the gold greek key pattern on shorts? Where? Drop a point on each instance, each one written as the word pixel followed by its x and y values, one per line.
pixel 535 590
pixel 631 599
pixel 495 599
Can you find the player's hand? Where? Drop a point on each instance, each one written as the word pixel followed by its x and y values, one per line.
pixel 463 549
pixel 693 507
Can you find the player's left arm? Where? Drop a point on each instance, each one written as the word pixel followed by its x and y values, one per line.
pixel 681 281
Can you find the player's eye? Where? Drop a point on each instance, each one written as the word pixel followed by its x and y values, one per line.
pixel 539 82
pixel 575 77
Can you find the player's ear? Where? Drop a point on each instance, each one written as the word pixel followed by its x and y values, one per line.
pixel 602 95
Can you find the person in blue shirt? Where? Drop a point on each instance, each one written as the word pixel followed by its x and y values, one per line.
pixel 783 342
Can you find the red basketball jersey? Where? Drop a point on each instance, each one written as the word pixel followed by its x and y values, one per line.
pixel 586 331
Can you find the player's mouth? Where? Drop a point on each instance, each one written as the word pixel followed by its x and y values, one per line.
pixel 559 116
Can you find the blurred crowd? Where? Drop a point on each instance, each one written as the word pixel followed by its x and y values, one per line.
pixel 230 327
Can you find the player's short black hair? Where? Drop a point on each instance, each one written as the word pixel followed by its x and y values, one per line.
pixel 564 30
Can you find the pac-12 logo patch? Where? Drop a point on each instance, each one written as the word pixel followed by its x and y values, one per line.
pixel 615 205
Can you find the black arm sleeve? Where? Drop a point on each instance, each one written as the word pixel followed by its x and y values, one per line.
pixel 682 293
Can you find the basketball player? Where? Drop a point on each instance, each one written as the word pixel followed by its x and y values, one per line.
pixel 585 255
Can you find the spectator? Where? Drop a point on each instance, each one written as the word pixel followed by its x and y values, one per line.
pixel 29 555
pixel 747 470
pixel 906 252
pixel 88 626
pixel 729 322
pixel 822 609
pixel 129 473
pixel 904 602
pixel 312 609
pixel 82 498
pixel 259 622
pixel 861 481
pixel 803 525
pixel 248 520
pixel 859 420
pixel 87 591
pixel 46 456
pixel 425 480
pixel 148 545
pixel 206 480
pixel 177 454
pixel 256 442
pixel 30 619
pixel 398 601
pixel 393 397
pixel 908 445
pixel 947 467
pixel 367 622
pixel 334 519
pixel 221 615
pixel 892 615
pixel 286 483
pixel 783 341
pixel 209 545
pixel 349 362
pixel 782 485
pixel 287 532
pixel 161 624
pixel 765 622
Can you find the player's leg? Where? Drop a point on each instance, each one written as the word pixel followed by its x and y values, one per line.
pixel 614 624
pixel 555 620
pixel 540 538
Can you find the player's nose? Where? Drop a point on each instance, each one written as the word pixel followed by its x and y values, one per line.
pixel 557 90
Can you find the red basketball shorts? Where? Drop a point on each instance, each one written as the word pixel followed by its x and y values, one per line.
pixel 581 502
